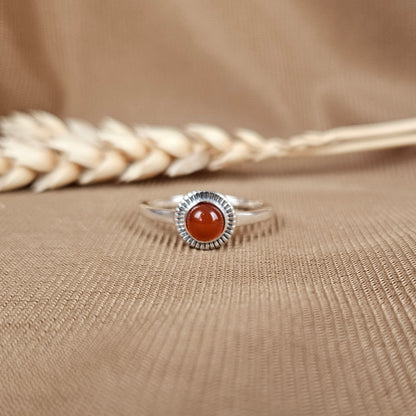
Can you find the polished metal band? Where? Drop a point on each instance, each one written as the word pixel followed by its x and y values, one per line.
pixel 246 211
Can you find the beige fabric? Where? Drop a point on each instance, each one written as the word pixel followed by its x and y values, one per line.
pixel 100 313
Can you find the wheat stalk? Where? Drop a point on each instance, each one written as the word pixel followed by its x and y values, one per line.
pixel 48 153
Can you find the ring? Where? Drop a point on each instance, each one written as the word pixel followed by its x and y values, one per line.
pixel 206 220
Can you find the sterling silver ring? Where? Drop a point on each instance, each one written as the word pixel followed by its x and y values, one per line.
pixel 204 219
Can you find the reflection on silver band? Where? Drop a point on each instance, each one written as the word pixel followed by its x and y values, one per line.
pixel 236 212
pixel 247 211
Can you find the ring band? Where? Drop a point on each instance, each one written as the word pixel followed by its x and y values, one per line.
pixel 204 219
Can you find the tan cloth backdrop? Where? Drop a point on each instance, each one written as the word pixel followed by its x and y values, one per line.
pixel 100 314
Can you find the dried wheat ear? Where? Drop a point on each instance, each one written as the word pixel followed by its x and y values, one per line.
pixel 41 150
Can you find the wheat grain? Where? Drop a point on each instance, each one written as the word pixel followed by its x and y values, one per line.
pixel 40 150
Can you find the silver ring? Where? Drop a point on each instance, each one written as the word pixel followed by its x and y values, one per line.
pixel 204 219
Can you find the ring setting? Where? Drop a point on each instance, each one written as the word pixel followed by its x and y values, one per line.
pixel 206 220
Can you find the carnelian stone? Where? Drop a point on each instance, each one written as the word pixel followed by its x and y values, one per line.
pixel 205 222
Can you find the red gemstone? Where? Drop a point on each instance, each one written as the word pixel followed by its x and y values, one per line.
pixel 205 222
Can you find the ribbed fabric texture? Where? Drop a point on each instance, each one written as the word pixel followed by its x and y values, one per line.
pixel 104 313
